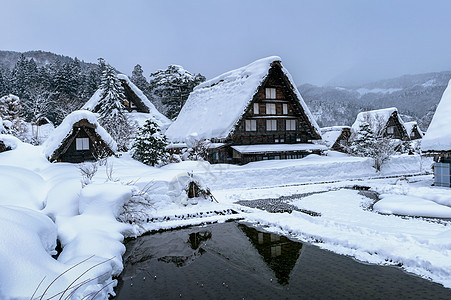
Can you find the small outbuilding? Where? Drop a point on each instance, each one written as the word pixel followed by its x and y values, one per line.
pixel 413 130
pixel 336 137
pixel 79 138
pixel 436 142
pixel 383 122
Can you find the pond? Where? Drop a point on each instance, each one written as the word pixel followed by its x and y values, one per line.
pixel 235 261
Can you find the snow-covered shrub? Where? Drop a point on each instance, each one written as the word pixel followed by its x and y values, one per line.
pixel 365 143
pixel 150 144
pixel 185 189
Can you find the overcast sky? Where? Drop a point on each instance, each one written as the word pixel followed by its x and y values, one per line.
pixel 319 41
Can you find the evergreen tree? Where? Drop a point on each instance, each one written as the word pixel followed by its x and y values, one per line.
pixel 138 78
pixel 150 144
pixel 19 77
pixel 11 111
pixel 112 110
pixel 173 87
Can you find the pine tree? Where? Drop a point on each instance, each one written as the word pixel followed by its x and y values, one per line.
pixel 150 144
pixel 138 78
pixel 112 110
pixel 173 86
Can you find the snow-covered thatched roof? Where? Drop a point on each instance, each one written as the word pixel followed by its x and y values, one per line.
pixel 215 106
pixel 153 114
pixel 438 135
pixel 331 134
pixel 410 126
pixel 377 119
pixel 57 137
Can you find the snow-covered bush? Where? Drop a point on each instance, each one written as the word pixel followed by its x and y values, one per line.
pixel 186 189
pixel 150 144
pixel 365 143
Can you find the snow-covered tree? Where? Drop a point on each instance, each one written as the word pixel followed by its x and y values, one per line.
pixel 112 110
pixel 138 78
pixel 365 143
pixel 11 111
pixel 173 87
pixel 150 144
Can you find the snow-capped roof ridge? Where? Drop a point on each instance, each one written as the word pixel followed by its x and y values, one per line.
pixel 438 135
pixel 215 106
pixel 158 117
pixel 334 128
pixel 375 118
pixel 410 126
pixel 65 128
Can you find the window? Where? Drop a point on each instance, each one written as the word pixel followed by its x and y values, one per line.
pixel 270 93
pixel 270 108
pixel 82 144
pixel 285 109
pixel 298 139
pixel 276 140
pixel 255 108
pixel 271 125
pixel 251 125
pixel 290 125
pixel 391 129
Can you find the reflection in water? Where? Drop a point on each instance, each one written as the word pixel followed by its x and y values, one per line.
pixel 194 241
pixel 233 261
pixel 278 252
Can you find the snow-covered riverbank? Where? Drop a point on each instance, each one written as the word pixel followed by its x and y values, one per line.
pixel 42 202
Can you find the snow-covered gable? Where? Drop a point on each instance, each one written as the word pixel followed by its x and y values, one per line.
pixel 410 126
pixel 152 113
pixel 377 119
pixel 331 134
pixel 65 129
pixel 438 135
pixel 214 107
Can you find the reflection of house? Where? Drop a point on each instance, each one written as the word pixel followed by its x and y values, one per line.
pixel 437 140
pixel 336 137
pixel 413 131
pixel 278 252
pixel 249 114
pixel 383 122
pixel 79 138
pixel 135 102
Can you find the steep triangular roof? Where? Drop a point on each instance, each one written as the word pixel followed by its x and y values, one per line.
pixel 137 95
pixel 410 126
pixel 55 141
pixel 214 107
pixel 438 135
pixel 376 118
pixel 331 134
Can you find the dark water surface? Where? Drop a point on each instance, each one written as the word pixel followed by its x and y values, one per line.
pixel 233 261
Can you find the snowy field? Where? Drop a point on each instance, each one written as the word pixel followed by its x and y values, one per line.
pixel 43 202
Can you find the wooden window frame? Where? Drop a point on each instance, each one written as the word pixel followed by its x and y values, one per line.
pixel 250 125
pixel 271 125
pixel 270 108
pixel 256 109
pixel 290 125
pixel 82 144
pixel 270 93
pixel 285 109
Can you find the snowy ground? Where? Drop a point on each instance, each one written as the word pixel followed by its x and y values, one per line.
pixel 43 202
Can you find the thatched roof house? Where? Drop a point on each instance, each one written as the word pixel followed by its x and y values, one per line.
pixel 413 131
pixel 336 137
pixel 79 138
pixel 251 113
pixel 383 122
pixel 136 103
pixel 437 140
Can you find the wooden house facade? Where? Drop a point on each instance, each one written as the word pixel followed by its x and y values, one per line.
pixel 79 138
pixel 249 114
pixel 383 122
pixel 436 142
